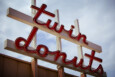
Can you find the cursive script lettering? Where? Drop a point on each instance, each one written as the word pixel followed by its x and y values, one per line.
pixel 57 53
pixel 54 27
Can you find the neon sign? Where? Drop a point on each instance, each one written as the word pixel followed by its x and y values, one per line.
pixel 42 10
pixel 46 52
pixel 57 53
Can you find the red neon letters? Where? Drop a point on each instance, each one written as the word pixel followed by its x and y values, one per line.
pixel 42 10
pixel 57 53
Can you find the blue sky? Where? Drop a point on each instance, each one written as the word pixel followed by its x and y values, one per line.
pixel 96 20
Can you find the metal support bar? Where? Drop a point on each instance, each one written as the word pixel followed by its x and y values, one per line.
pixel 34 67
pixel 34 44
pixel 59 46
pixel 79 47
